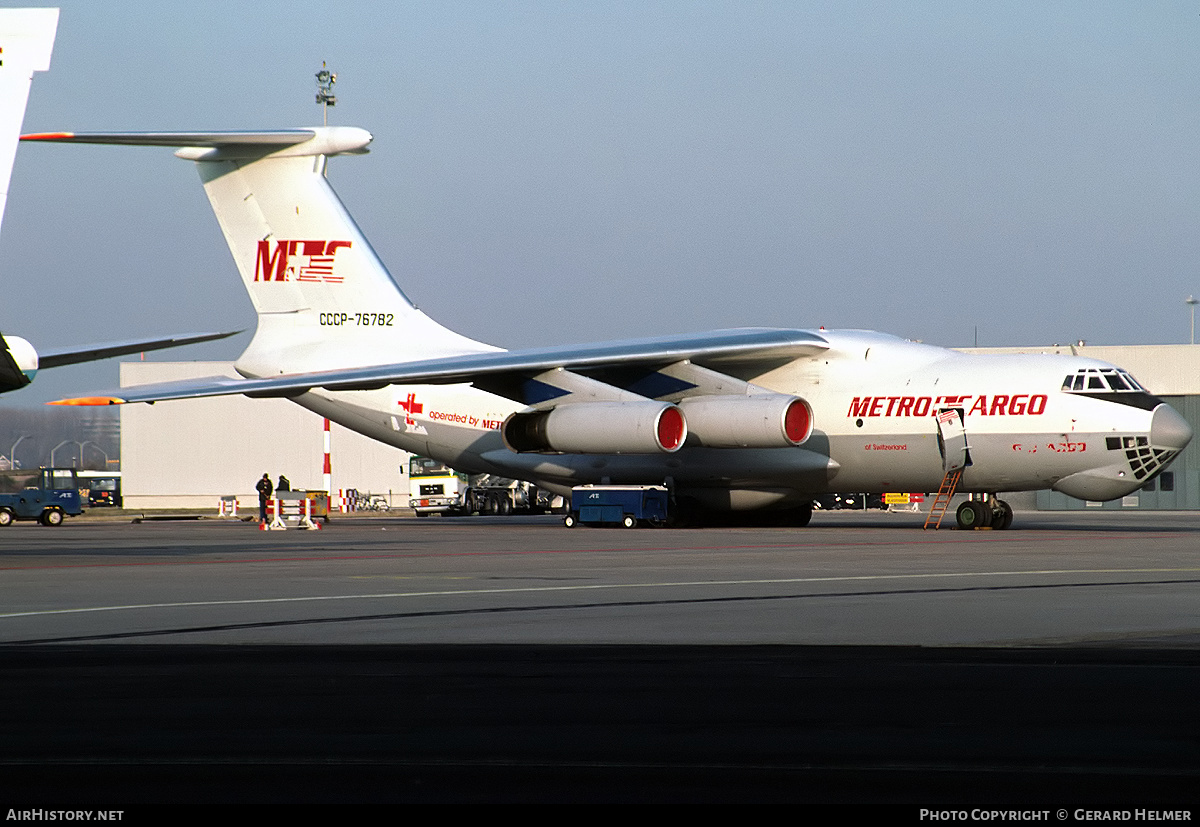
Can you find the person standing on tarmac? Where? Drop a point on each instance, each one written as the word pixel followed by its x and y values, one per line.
pixel 264 489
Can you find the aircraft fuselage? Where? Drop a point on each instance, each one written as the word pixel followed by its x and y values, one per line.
pixel 874 400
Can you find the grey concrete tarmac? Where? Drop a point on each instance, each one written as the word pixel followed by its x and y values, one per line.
pixel 858 667
pixel 866 579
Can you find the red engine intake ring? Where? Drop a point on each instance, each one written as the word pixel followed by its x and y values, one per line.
pixel 671 429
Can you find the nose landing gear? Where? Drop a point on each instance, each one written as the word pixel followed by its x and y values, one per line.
pixel 987 512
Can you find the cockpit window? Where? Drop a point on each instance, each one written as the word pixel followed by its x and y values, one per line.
pixel 1101 379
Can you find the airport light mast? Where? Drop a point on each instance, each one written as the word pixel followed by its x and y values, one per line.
pixel 325 97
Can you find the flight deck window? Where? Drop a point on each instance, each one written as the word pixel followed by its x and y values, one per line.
pixel 1116 382
pixel 1109 379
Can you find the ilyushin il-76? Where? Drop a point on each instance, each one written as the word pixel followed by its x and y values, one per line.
pixel 755 420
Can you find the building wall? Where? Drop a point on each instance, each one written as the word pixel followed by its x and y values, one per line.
pixel 189 453
pixel 1164 370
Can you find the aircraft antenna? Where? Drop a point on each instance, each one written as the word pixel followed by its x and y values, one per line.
pixel 325 97
pixel 1191 301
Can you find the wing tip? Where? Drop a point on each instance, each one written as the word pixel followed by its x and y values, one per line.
pixel 48 136
pixel 89 401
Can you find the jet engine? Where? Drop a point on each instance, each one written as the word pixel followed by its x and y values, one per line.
pixel 598 428
pixel 18 363
pixel 760 421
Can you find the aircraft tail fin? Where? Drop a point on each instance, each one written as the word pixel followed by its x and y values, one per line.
pixel 323 297
pixel 26 41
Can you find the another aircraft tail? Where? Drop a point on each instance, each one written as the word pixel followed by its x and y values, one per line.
pixel 323 297
pixel 26 41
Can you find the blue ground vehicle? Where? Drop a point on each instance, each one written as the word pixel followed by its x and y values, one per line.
pixel 46 495
pixel 625 505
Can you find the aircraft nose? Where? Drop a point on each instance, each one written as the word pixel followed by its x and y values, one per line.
pixel 1168 429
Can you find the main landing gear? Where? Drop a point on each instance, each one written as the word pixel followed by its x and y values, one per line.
pixel 987 512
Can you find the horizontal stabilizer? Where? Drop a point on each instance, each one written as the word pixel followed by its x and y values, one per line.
pixel 747 346
pixel 200 146
pixel 274 137
pixel 91 353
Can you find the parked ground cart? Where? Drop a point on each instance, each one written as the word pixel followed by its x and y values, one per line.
pixel 626 505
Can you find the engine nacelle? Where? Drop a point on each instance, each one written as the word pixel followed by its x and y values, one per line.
pixel 761 421
pixel 26 360
pixel 598 428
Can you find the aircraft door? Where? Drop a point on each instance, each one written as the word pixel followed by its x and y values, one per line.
pixel 952 439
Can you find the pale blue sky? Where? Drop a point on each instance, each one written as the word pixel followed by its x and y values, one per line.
pixel 550 172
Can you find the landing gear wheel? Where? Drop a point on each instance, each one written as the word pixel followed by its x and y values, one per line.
pixel 51 516
pixel 1003 518
pixel 801 515
pixel 6 517
pixel 973 514
pixel 629 521
pixel 569 521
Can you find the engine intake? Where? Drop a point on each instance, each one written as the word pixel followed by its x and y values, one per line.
pixel 598 428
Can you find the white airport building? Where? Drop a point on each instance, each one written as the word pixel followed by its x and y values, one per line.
pixel 190 453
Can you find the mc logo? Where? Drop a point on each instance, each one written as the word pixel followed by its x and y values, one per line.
pixel 305 261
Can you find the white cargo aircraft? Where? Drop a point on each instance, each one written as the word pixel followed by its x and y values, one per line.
pixel 26 42
pixel 739 420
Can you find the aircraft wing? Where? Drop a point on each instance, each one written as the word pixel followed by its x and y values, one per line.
pixel 753 349
pixel 90 353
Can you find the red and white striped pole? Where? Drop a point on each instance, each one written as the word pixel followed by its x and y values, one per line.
pixel 328 465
